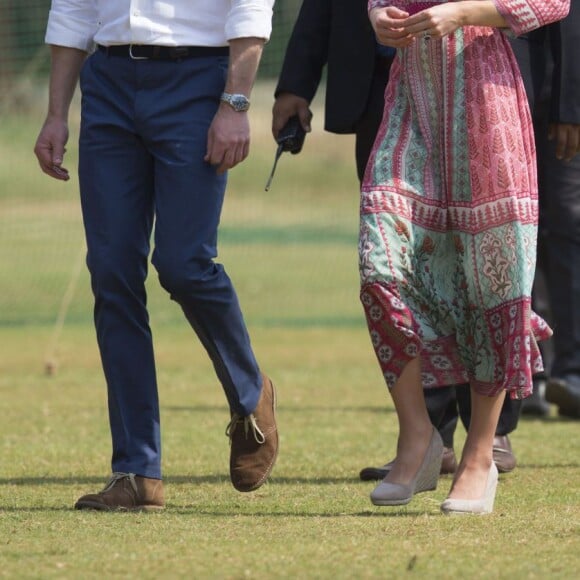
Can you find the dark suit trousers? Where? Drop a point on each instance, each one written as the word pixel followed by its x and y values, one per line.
pixel 446 404
pixel 559 245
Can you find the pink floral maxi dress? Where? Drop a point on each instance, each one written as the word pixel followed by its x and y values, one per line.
pixel 449 210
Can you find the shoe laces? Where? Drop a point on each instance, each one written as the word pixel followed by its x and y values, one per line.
pixel 249 424
pixel 118 476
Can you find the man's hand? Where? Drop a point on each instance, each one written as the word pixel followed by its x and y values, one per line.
pixel 286 106
pixel 567 137
pixel 50 145
pixel 228 139
pixel 50 148
pixel 386 23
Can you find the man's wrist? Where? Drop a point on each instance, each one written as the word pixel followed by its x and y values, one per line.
pixel 237 101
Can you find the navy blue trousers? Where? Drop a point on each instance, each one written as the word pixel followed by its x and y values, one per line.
pixel 143 136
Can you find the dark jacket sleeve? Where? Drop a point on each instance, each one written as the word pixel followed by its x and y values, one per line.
pixel 565 45
pixel 307 50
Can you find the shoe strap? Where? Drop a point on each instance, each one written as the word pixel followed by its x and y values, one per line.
pixel 249 423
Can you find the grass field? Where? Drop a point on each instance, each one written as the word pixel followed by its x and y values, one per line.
pixel 292 254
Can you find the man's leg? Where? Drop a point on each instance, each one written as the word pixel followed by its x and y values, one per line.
pixel 188 201
pixel 559 183
pixel 115 173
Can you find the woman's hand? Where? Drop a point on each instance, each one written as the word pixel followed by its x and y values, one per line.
pixel 435 22
pixel 386 22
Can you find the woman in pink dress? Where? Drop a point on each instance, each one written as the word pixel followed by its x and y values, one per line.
pixel 448 231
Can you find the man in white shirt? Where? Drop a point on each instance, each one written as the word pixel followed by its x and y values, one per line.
pixel 164 116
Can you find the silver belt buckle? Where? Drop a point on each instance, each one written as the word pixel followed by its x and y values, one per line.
pixel 136 57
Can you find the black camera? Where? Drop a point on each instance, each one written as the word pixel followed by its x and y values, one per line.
pixel 292 135
pixel 290 138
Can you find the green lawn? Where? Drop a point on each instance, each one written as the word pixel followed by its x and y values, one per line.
pixel 292 253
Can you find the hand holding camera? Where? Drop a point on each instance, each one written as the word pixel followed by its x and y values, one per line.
pixel 290 138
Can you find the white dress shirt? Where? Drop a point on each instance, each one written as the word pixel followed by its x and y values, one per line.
pixel 82 23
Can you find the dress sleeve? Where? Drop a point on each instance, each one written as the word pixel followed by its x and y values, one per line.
pixel 525 15
pixel 383 3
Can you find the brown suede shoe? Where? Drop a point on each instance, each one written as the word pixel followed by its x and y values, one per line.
pixel 448 463
pixel 448 466
pixel 503 456
pixel 254 442
pixel 125 492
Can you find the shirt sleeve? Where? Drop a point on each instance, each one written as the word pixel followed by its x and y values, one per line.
pixel 72 23
pixel 526 15
pixel 250 18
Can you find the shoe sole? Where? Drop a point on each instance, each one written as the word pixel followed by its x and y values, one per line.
pixel 459 513
pixel 382 503
pixel 404 501
pixel 105 508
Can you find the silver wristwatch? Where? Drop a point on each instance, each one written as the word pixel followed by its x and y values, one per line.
pixel 236 101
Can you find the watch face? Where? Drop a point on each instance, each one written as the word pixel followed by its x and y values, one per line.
pixel 240 103
pixel 237 102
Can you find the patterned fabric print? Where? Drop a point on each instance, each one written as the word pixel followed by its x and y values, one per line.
pixel 526 15
pixel 408 315
pixel 516 352
pixel 414 139
pixel 389 322
pixel 448 218
pixel 499 129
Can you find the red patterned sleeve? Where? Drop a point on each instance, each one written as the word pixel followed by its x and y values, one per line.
pixel 383 3
pixel 525 15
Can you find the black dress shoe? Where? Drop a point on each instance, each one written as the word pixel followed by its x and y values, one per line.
pixel 376 473
pixel 448 465
pixel 503 456
pixel 565 393
pixel 536 405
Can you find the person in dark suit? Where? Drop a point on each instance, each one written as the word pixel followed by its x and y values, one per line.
pixel 338 35
pixel 551 69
